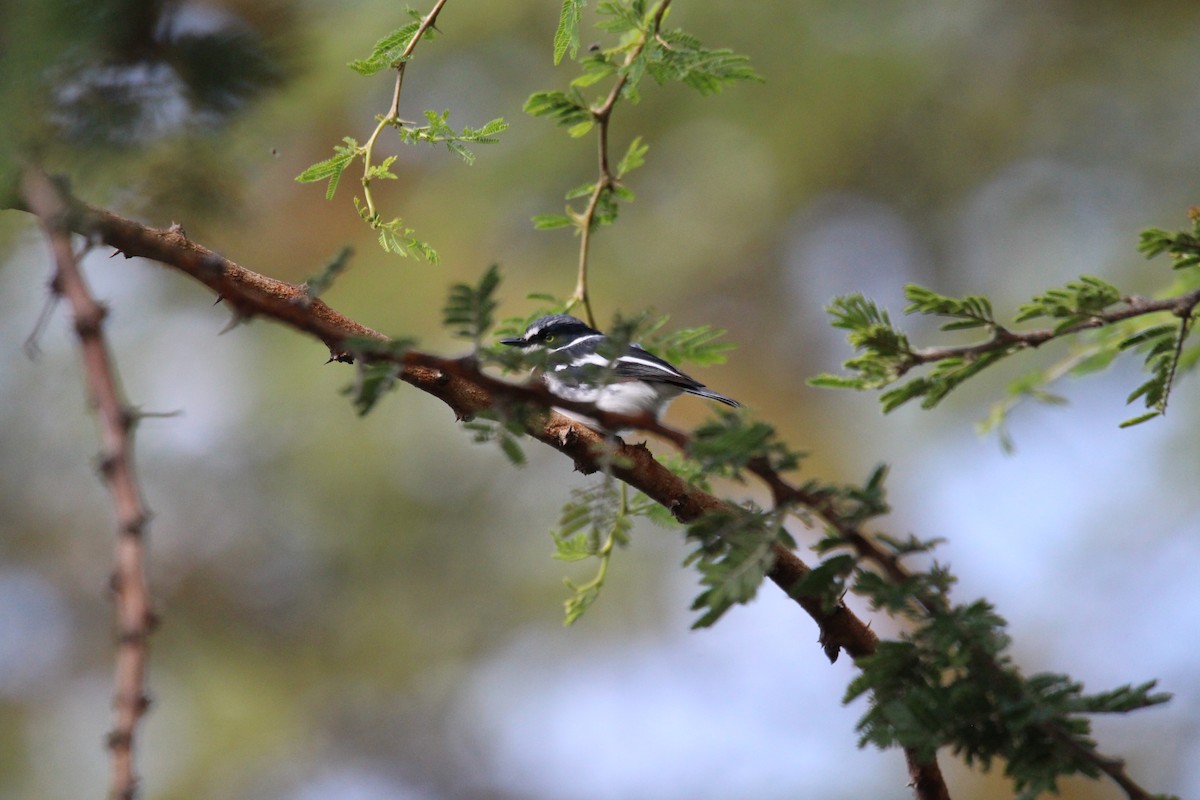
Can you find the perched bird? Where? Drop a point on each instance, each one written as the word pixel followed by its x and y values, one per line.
pixel 579 367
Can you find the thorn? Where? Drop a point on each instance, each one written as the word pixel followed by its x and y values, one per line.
pixel 832 650
pixel 218 300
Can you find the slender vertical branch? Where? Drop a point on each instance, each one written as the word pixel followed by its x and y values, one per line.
pixel 134 619
pixel 393 114
pixel 606 180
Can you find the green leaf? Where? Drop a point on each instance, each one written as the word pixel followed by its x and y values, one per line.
pixel 1077 301
pixel 373 381
pixel 735 550
pixel 437 130
pixel 679 56
pixel 566 36
pixel 374 376
pixel 697 345
pixel 468 310
pixel 396 237
pixel 387 52
pixel 581 128
pixel 332 168
pixel 728 445
pixel 565 109
pixel 971 311
pixel 382 170
pixel 634 157
pixel 593 521
pixel 544 222
pixel 596 67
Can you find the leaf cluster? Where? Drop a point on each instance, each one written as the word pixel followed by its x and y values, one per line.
pixel 469 309
pixel 734 551
pixel 1182 246
pixel 592 522
pixel 949 682
pixel 393 235
pixel 698 345
pixel 437 130
pixel 641 48
pixel 729 444
pixel 393 51
pixel 681 57
pixel 644 47
pixel 1073 304
pixel 1095 314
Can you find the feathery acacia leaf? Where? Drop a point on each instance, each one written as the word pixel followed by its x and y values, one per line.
pixel 332 168
pixel 734 551
pixel 468 310
pixel 438 131
pixel 566 36
pixel 388 51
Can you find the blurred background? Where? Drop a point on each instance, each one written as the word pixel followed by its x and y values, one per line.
pixel 367 608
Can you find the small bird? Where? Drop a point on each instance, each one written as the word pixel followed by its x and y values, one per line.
pixel 633 382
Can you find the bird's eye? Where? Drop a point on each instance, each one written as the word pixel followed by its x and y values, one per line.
pixel 550 338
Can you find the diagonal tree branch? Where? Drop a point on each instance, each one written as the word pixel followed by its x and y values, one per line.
pixel 134 618
pixel 467 391
pixel 459 384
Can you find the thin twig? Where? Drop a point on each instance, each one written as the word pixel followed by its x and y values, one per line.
pixel 134 618
pixel 1003 339
pixel 427 22
pixel 606 180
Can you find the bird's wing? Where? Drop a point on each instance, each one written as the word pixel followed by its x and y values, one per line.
pixel 640 364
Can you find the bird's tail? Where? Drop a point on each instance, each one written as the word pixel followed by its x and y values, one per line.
pixel 707 393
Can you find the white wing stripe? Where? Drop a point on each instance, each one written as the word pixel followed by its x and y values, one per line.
pixel 652 365
pixel 577 341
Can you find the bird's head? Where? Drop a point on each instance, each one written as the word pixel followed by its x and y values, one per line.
pixel 554 331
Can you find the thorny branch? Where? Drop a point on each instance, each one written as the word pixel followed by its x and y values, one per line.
pixel 134 618
pixel 459 384
pixel 466 390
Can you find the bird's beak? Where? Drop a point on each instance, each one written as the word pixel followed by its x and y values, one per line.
pixel 518 342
